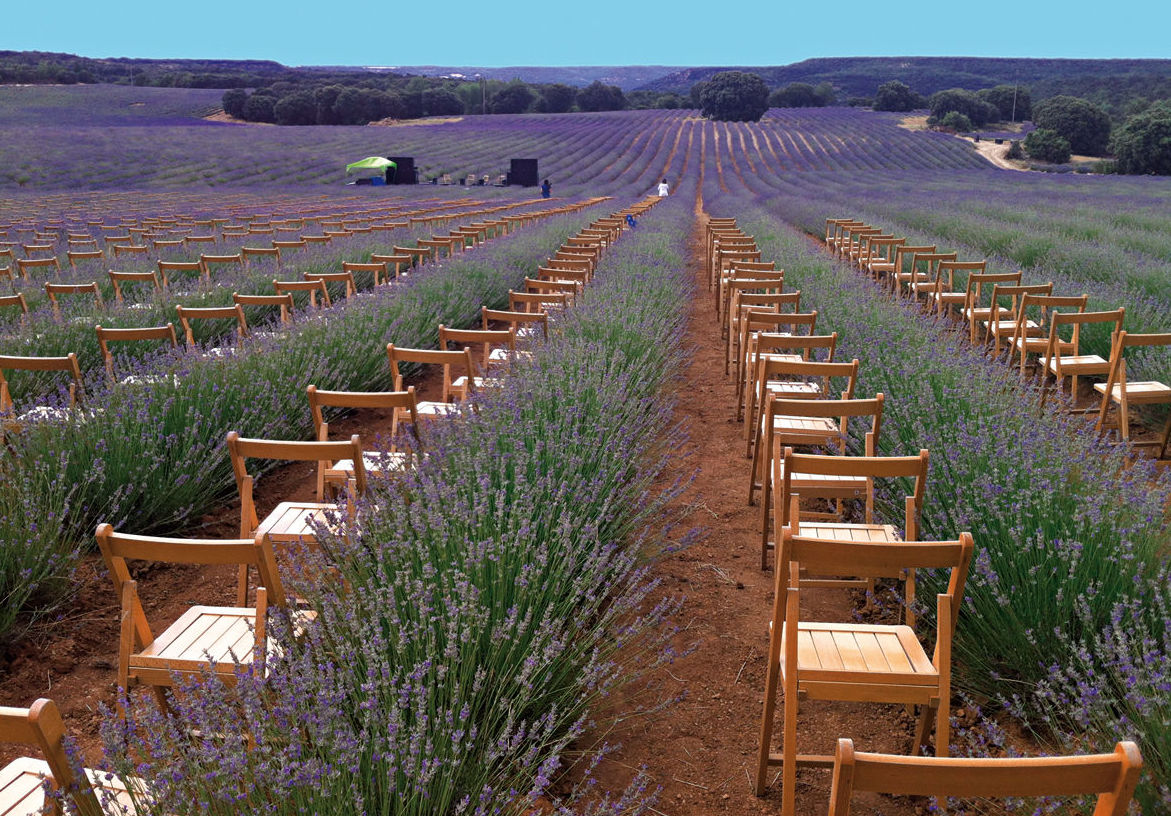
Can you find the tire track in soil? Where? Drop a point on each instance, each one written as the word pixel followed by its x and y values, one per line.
pixel 702 749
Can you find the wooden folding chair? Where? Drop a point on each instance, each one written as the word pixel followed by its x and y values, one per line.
pixel 168 270
pixel 1001 327
pixel 67 364
pixel 118 279
pixel 925 272
pixel 23 265
pixel 770 346
pixel 546 303
pixel 524 324
pixel 216 639
pixel 53 290
pixel 208 261
pixel 292 521
pixel 314 288
pixel 23 780
pixel 331 476
pixel 1111 778
pixel 376 270
pixel 497 349
pixel 1062 358
pixel 904 254
pixel 945 296
pixel 234 313
pixel 974 312
pixel 346 279
pixel 881 259
pixel 755 299
pixel 282 303
pixel 17 301
pixel 1032 337
pixel 106 336
pixel 449 361
pixel 1119 389
pixel 853 661
pixel 75 255
pixel 399 261
pixel 754 323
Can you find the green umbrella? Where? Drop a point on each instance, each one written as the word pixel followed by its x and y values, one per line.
pixel 371 163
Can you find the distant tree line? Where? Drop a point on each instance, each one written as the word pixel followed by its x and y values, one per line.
pixel 360 99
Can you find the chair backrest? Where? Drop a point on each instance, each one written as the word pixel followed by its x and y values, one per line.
pixel 260 252
pixel 25 264
pixel 827 371
pixel 1057 348
pixel 947 272
pixel 284 303
pixel 974 289
pixel 1111 777
pixel 906 252
pixel 346 279
pixel 319 399
pixel 877 560
pixel 241 449
pixel 208 261
pixel 118 548
pixel 536 302
pixel 52 290
pixel 486 338
pixel 188 313
pixel 868 467
pixel 313 287
pixel 806 344
pixel 41 725
pixel 19 302
pixel 75 255
pixel 515 319
pixel 759 321
pixel 927 263
pixel 766 301
pixel 67 364
pixel 118 278
pixel 447 359
pixel 168 269
pixel 106 336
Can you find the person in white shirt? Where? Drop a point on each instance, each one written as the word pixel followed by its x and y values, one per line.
pixel 663 188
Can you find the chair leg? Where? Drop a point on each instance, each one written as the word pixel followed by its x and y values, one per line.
pixel 789 757
pixel 766 726
pixel 923 728
pixel 942 728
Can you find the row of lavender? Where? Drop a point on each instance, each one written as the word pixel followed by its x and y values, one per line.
pixel 596 152
pixel 1108 238
pixel 494 598
pixel 1065 615
pixel 152 456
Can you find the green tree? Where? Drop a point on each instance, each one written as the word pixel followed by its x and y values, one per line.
pixel 734 96
pixel 825 93
pixel 513 98
pixel 1013 101
pixel 298 108
pixel 1143 143
pixel 325 97
pixel 597 96
pixel 557 98
pixel 1083 124
pixel 1047 146
pixel 441 102
pixel 696 94
pixel 957 99
pixel 956 121
pixel 896 96
pixel 795 95
pixel 234 100
pixel 259 108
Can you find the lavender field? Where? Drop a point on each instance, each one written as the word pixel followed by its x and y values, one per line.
pixel 1068 620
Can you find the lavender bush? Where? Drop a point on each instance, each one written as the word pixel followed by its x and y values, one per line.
pixel 494 596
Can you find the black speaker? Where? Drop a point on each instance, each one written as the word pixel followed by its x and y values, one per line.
pixel 524 172
pixel 404 173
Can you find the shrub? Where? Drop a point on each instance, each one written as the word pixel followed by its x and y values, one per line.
pixel 441 102
pixel 1047 146
pixel 298 108
pixel 976 109
pixel 734 96
pixel 1083 124
pixel 956 121
pixel 557 98
pixel 1013 102
pixel 795 95
pixel 513 98
pixel 259 108
pixel 1015 150
pixel 896 96
pixel 234 100
pixel 597 96
pixel 1143 143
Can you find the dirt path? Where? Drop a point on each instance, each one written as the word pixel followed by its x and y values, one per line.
pixel 995 153
pixel 701 750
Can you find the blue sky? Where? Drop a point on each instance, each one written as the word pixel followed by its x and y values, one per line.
pixel 596 32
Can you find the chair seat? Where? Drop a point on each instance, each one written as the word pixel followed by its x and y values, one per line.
pixel 374 462
pixel 980 313
pixel 1137 392
pixel 816 484
pixel 23 794
pixel 1003 326
pixel 460 384
pixel 947 297
pixel 432 409
pixel 820 427
pixel 868 533
pixel 1080 364
pixel 223 634
pixel 295 521
pixel 791 389
pixel 501 355
pixel 862 654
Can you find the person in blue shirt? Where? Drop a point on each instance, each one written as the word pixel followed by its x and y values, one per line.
pixel 546 188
